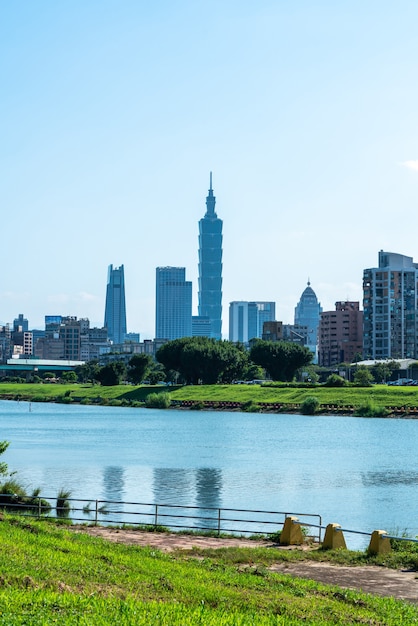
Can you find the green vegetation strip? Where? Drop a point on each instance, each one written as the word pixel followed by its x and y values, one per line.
pixel 402 398
pixel 52 575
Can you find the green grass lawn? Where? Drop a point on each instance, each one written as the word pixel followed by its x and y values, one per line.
pixel 380 395
pixel 50 575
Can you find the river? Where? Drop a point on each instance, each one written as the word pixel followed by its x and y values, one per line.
pixel 361 473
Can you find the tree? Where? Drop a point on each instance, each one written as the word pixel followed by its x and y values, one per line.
pixel 156 374
pixel 363 377
pixel 69 377
pixel 383 371
pixel 280 359
pixel 138 367
pixel 88 372
pixel 205 360
pixel 111 374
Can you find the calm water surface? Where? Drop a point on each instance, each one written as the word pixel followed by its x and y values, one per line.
pixel 361 473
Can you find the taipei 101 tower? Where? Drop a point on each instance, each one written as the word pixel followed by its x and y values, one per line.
pixel 210 266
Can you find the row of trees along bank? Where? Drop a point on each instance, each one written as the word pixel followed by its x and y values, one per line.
pixel 194 360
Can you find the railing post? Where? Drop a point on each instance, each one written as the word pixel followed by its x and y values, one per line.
pixel 219 522
pixel 379 543
pixel 156 516
pixel 291 534
pixel 334 538
pixel 39 506
pixel 96 513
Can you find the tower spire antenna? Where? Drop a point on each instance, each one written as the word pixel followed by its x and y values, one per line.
pixel 210 183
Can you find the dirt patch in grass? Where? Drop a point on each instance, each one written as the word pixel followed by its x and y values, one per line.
pixel 382 581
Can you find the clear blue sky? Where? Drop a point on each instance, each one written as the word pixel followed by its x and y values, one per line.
pixel 114 112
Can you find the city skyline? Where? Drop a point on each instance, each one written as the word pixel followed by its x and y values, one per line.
pixel 111 120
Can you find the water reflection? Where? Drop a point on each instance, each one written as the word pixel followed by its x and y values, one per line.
pixel 113 490
pixel 208 495
pixel 181 486
pixel 172 486
pixel 389 477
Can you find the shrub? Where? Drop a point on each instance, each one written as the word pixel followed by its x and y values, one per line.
pixel 363 377
pixel 15 499
pixel 157 400
pixel 63 503
pixel 250 407
pixel 335 381
pixel 370 409
pixel 65 399
pixel 115 402
pixel 309 406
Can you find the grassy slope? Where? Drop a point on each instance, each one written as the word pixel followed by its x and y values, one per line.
pixel 50 575
pixel 381 395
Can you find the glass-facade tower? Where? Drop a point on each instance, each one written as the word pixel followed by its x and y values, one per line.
pixel 173 311
pixel 307 313
pixel 115 308
pixel 210 266
pixel 246 319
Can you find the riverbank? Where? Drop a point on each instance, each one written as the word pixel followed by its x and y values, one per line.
pixel 391 400
pixel 90 580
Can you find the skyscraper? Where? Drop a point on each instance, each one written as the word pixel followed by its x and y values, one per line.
pixel 246 319
pixel 390 303
pixel 115 309
pixel 210 266
pixel 307 313
pixel 173 310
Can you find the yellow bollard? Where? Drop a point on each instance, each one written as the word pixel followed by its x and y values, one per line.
pixel 334 538
pixel 379 543
pixel 291 534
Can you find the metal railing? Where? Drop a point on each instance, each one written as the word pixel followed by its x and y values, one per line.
pixel 216 520
pixel 171 516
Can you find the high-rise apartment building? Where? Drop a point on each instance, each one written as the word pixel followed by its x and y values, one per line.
pixel 246 319
pixel 307 312
pixel 390 323
pixel 173 311
pixel 115 309
pixel 210 266
pixel 340 335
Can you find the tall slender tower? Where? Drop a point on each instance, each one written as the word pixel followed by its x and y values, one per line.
pixel 115 309
pixel 210 266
